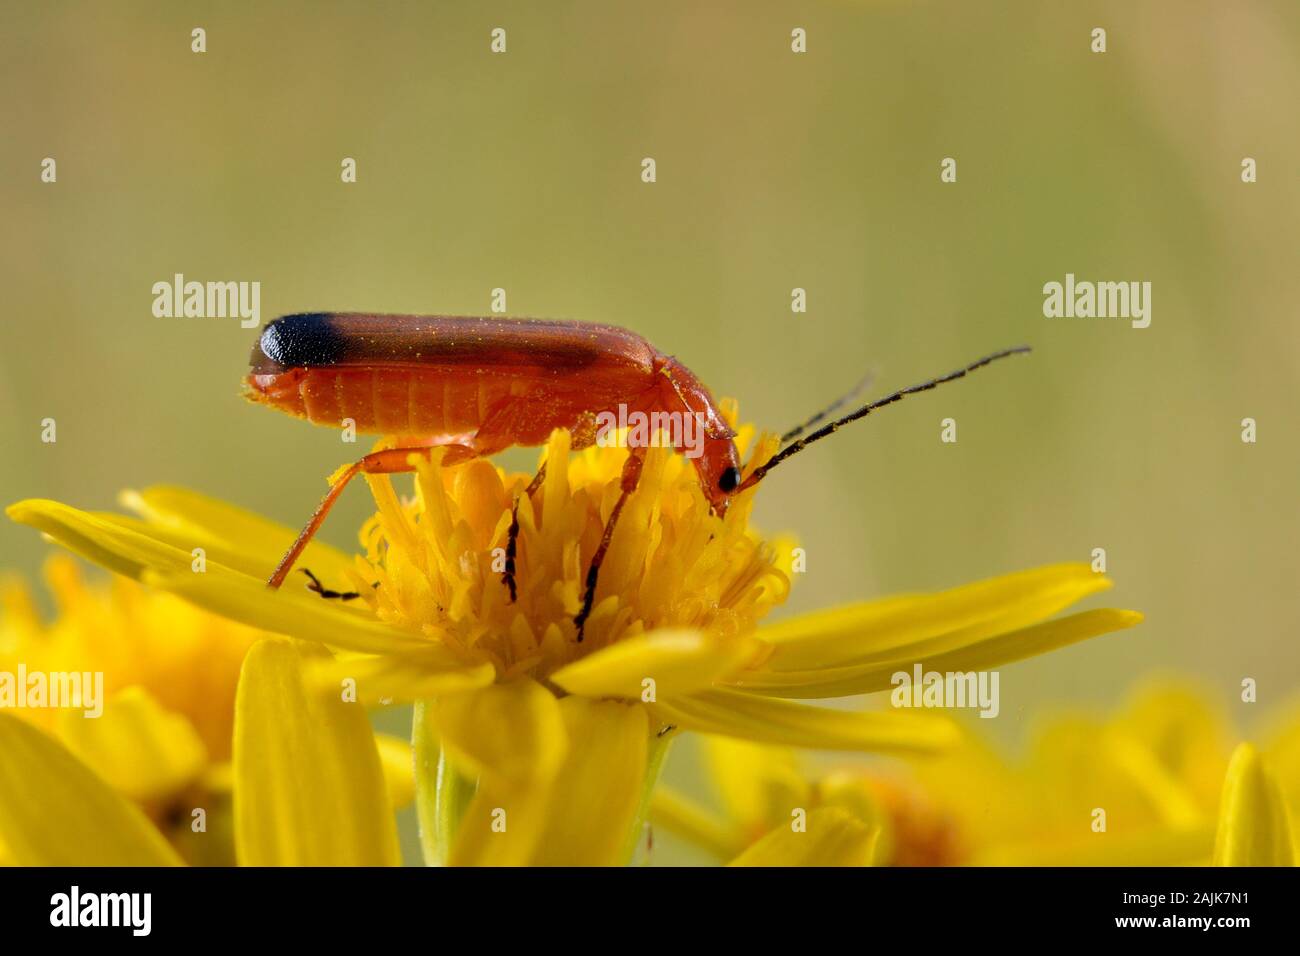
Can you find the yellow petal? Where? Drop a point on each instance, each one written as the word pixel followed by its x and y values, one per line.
pixel 1184 727
pixel 410 677
pixel 1283 748
pixel 295 614
pixel 1152 846
pixel 594 798
pixel 397 763
pixel 135 549
pixel 679 814
pixel 957 653
pixel 253 544
pixel 308 785
pixel 852 634
pixel 55 812
pixel 751 717
pixel 560 781
pixel 1253 825
pixel 833 838
pixel 1167 794
pixel 678 661
pixel 758 783
pixel 119 544
pixel 501 826
pixel 136 746
pixel 512 737
pixel 219 778
pixel 510 732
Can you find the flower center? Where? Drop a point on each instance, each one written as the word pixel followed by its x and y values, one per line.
pixel 436 562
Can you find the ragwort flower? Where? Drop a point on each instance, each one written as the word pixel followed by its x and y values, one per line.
pixel 533 746
pixel 1159 769
pixel 157 732
pixel 309 785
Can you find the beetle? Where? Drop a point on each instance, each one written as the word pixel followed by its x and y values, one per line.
pixel 475 386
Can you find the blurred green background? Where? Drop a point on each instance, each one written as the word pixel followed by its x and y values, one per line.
pixel 775 171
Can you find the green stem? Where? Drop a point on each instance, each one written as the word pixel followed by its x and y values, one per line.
pixel 653 768
pixel 428 758
pixel 441 794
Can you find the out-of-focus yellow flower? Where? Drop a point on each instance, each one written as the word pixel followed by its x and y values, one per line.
pixel 774 798
pixel 1156 769
pixel 163 740
pixel 309 787
pixel 534 747
pixel 1139 788
pixel 169 669
pixel 1142 787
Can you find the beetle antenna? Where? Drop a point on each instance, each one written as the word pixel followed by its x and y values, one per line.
pixel 852 393
pixel 761 471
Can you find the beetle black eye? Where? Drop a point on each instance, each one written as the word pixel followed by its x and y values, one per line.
pixel 729 480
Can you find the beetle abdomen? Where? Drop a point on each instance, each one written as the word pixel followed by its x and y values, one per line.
pixel 385 400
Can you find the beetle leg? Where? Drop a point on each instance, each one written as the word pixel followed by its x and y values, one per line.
pixel 386 462
pixel 631 475
pixel 512 538
pixel 315 585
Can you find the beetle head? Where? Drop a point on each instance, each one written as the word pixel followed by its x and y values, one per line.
pixel 713 449
pixel 719 472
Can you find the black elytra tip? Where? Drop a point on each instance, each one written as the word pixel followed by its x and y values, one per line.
pixel 304 340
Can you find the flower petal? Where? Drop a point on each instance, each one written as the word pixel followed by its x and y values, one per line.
pixel 512 737
pixel 1150 846
pixel 560 781
pixel 308 786
pixel 55 812
pixel 398 764
pixel 509 732
pixel 253 544
pixel 594 798
pixel 1253 825
pixel 880 629
pixel 679 814
pixel 752 717
pixel 295 614
pixel 134 549
pixel 758 783
pixel 136 746
pixel 385 679
pixel 119 544
pixel 679 662
pixel 833 838
pixel 967 651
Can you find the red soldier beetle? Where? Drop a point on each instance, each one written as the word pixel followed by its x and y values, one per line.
pixel 476 386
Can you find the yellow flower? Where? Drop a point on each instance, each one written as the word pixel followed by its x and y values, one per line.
pixel 1139 788
pixel 163 736
pixel 1254 826
pixel 534 747
pixel 309 786
pixel 168 672
pixel 771 796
